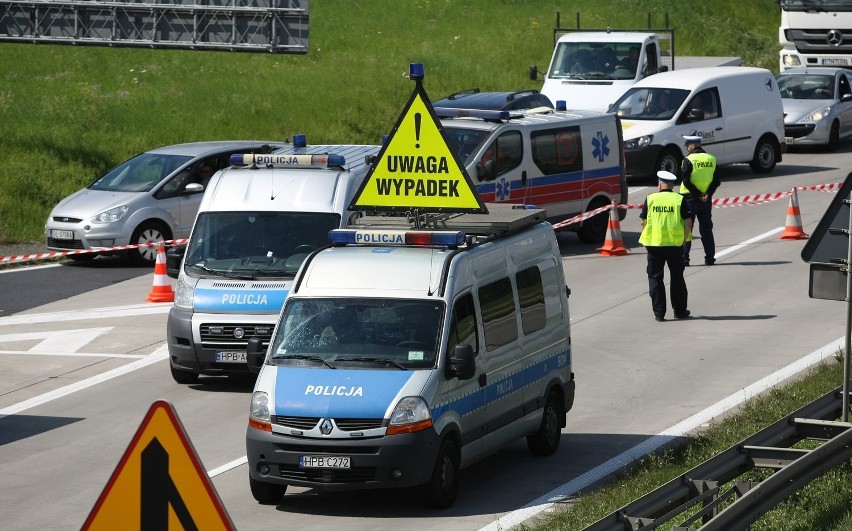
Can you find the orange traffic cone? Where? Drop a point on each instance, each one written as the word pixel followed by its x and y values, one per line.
pixel 162 288
pixel 793 228
pixel 613 245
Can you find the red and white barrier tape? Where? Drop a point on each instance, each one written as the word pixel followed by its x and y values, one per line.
pixel 57 254
pixel 721 202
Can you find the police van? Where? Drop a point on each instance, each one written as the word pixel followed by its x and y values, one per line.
pixel 257 222
pixel 567 162
pixel 403 355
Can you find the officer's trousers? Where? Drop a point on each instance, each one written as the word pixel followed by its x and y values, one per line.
pixel 658 258
pixel 702 212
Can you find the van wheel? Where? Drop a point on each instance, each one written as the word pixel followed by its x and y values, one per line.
pixel 148 232
pixel 443 486
pixel 593 230
pixel 183 377
pixel 545 441
pixel 266 493
pixel 833 137
pixel 669 160
pixel 765 156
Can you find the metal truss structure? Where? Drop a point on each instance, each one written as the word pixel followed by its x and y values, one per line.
pixel 274 26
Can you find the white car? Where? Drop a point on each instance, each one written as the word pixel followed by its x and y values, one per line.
pixel 151 197
pixel 817 105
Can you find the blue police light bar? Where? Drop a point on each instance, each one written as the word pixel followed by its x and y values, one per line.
pixel 306 161
pixel 300 141
pixel 396 237
pixel 448 112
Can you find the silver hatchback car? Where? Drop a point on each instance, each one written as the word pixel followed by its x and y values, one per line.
pixel 149 198
pixel 817 105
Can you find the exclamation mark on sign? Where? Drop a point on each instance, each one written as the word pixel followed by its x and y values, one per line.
pixel 417 129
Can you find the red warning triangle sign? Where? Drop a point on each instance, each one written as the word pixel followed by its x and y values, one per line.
pixel 159 482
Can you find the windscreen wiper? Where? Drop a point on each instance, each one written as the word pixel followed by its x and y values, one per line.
pixel 304 357
pixel 374 360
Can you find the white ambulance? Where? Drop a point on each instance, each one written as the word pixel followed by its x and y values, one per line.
pixel 258 221
pixel 402 355
pixel 567 162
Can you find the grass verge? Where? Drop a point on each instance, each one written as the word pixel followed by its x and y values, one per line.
pixel 824 504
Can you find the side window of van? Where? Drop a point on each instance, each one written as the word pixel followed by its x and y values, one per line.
pixel 505 153
pixel 703 106
pixel 531 299
pixel 499 321
pixel 463 326
pixel 557 150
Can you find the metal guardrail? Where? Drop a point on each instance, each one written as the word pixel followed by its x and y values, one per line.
pixel 275 26
pixel 715 499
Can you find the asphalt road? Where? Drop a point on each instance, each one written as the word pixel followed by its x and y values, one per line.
pixel 79 374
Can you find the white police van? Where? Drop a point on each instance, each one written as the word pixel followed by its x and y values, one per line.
pixel 258 221
pixel 404 355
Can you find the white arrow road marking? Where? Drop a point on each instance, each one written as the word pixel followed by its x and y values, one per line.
pixel 79 315
pixel 57 341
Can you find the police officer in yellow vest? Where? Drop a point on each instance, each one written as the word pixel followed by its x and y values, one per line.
pixel 666 222
pixel 699 184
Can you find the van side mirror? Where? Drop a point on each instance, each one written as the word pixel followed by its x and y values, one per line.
pixel 663 68
pixel 255 354
pixel 193 188
pixel 463 364
pixel 485 172
pixel 174 257
pixel 846 97
pixel 534 72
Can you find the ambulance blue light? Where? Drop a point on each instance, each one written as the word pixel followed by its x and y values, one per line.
pixel 396 237
pixel 288 160
pixel 447 112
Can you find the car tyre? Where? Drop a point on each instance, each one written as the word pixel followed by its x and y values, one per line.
pixel 765 156
pixel 441 490
pixel 545 440
pixel 669 160
pixel 150 231
pixel 593 230
pixel 833 137
pixel 183 377
pixel 266 493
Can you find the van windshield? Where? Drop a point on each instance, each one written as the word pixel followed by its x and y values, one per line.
pixel 649 103
pixel 139 174
pixel 595 60
pixel 466 142
pixel 359 333
pixel 255 244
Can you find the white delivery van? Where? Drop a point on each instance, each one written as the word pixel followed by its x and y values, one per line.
pixel 567 162
pixel 404 355
pixel 256 223
pixel 737 110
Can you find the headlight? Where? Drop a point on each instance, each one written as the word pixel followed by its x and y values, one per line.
pixel 110 216
pixel 411 414
pixel 817 115
pixel 259 411
pixel 184 292
pixel 790 60
pixel 642 141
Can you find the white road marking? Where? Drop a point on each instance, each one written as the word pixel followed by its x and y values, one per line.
pixel 158 355
pixel 80 315
pixel 57 340
pixel 72 354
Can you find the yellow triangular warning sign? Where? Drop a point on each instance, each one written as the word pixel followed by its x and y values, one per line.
pixel 417 168
pixel 159 482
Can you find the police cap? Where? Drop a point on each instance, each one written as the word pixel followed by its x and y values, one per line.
pixel 666 176
pixel 687 140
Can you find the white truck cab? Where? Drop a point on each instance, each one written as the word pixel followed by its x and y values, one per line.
pixel 257 222
pixel 592 69
pixel 404 355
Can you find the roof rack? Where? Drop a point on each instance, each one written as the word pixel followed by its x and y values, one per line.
pixel 502 218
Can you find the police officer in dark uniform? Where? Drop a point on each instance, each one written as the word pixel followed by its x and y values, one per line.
pixel 666 221
pixel 698 172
